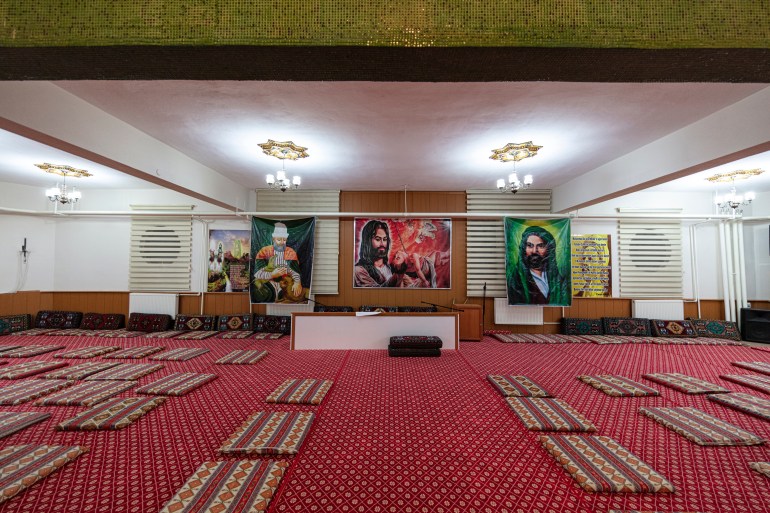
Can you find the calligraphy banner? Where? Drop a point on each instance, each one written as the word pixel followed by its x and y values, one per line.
pixel 537 261
pixel 228 260
pixel 282 266
pixel 591 267
pixel 402 253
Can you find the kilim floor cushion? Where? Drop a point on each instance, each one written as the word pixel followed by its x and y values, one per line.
pixel 112 414
pixel 80 371
pixel 619 339
pixel 86 394
pixel 5 348
pixel 119 334
pixel 576 326
pixel 267 336
pixel 618 386
pixel 228 487
pixel 761 383
pixel 241 334
pixel 667 328
pixel 532 338
pixel 413 351
pixel 149 322
pixel 301 391
pixel 126 372
pixel 416 341
pixel 269 433
pixel 35 332
pixel 196 335
pixel 763 467
pixel 163 334
pixel 87 352
pixel 242 357
pixel 241 322
pixel 685 384
pixel 761 367
pixel 13 421
pixel 272 324
pixel 747 403
pixel 23 370
pixel 195 322
pixel 700 427
pixel 180 354
pixel 375 308
pixel 549 415
pixel 21 466
pixel 517 386
pixel 28 351
pixel 600 464
pixel 633 326
pixel 76 332
pixel 14 323
pixel 135 352
pixel 98 321
pixel 25 391
pixel 179 383
pixel 58 319
pixel 716 329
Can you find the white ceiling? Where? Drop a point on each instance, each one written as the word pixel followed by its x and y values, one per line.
pixel 388 135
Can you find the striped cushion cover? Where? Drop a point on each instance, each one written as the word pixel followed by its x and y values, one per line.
pixel 176 384
pixel 85 394
pixel 228 487
pixel 267 336
pixel 87 352
pixel 135 352
pixel 13 421
pixel 126 371
pixel 6 347
pixel 163 334
pixel 761 367
pixel 269 433
pixel 517 386
pixel 618 339
pixel 196 335
pixel 25 391
pixel 80 371
pixel 25 465
pixel 120 334
pixel 27 351
pixel 180 354
pixel 240 334
pixel 763 467
pixel 700 427
pixel 300 391
pixel 539 414
pixel 23 370
pixel 242 357
pixel 618 386
pixel 112 414
pixel 34 332
pixel 747 403
pixel 533 338
pixel 685 384
pixel 73 333
pixel 761 383
pixel 600 464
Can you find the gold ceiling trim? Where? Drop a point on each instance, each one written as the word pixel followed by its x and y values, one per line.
pixel 515 152
pixel 63 170
pixel 741 174
pixel 283 150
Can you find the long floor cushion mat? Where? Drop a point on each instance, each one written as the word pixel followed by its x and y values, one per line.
pixel 600 464
pixel 532 338
pixel 180 354
pixel 763 467
pixel 27 351
pixel 79 371
pixel 135 352
pixel 85 394
pixel 195 335
pixel 119 333
pixel 14 421
pixel 228 487
pixel 242 357
pixel 517 386
pixel 126 371
pixel 87 352
pixel 35 332
pixel 761 383
pixel 25 391
pixel 24 465
pixel 269 433
pixel 540 414
pixel 300 391
pixel 26 369
pixel 761 367
pixel 618 386
pixel 685 384
pixel 747 403
pixel 179 383
pixel 112 414
pixel 701 428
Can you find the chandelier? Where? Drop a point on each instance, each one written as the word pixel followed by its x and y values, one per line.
pixel 283 150
pixel 514 152
pixel 732 203
pixel 61 193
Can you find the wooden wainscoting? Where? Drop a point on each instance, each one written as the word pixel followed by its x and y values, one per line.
pixel 95 302
pixel 31 302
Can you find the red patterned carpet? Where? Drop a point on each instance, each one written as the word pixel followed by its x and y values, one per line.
pixel 420 435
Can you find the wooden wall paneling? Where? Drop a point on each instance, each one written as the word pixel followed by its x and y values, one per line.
pixel 28 301
pixel 225 303
pixel 189 304
pixel 760 305
pixel 97 302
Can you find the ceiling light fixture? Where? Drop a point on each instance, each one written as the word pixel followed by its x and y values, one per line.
pixel 283 150
pixel 61 193
pixel 733 202
pixel 514 152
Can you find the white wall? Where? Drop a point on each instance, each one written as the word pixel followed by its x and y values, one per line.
pixel 757 244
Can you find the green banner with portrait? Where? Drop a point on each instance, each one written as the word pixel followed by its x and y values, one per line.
pixel 538 261
pixel 282 264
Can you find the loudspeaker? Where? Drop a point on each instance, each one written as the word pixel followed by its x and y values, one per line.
pixel 755 325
